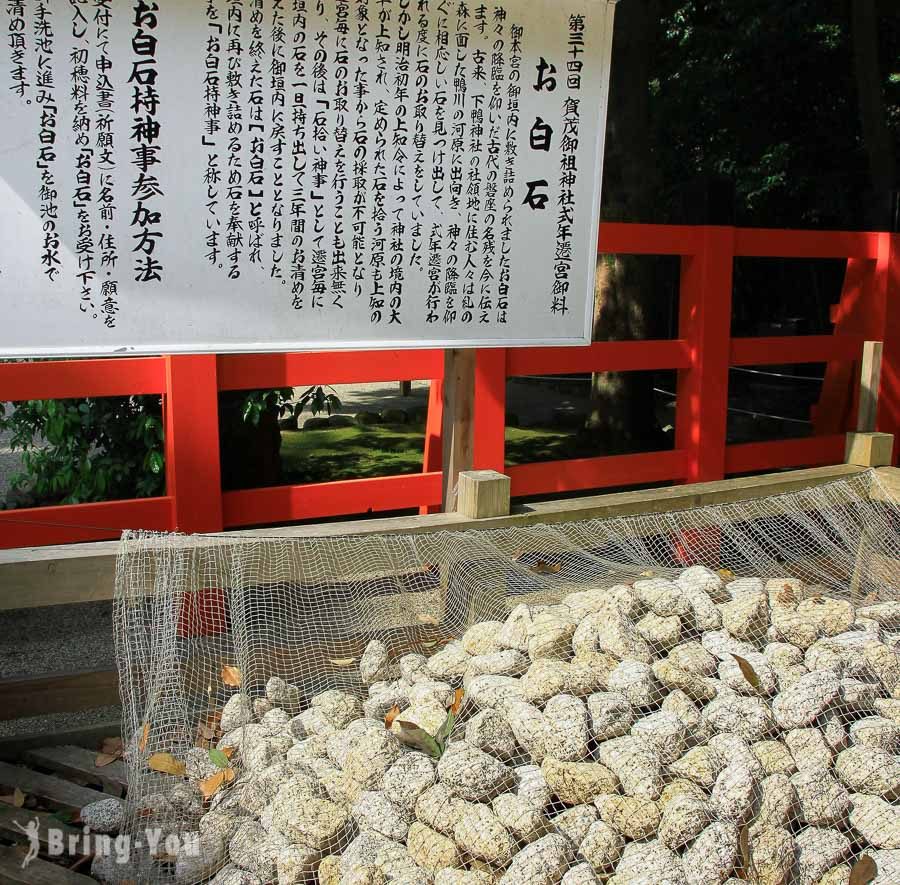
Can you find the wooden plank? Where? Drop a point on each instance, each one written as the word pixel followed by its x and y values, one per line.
pixel 11 748
pixel 10 816
pixel 459 411
pixel 38 872
pixel 36 576
pixel 64 693
pixel 62 793
pixel 80 763
pixel 869 384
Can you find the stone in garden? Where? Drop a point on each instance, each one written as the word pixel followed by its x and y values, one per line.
pixel 310 722
pixel 251 848
pixel 514 632
pixel 588 672
pixel 808 748
pixel 338 707
pixel 702 578
pixel 543 862
pixel 636 681
pixel 665 731
pixel 746 616
pixel 103 816
pixel 430 850
pixel 522 819
pixel 338 745
pixel 574 823
pixel 694 658
pixel 649 863
pixel 712 856
pixel 317 823
pixel 260 790
pixel 888 863
pixel 545 678
pixel 530 727
pixel 789 675
pixel 531 786
pixel 370 755
pixel 374 811
pixel 392 859
pixel 885 613
pixel 374 663
pixel 876 732
pixel 429 716
pixel 499 663
pixel 185 798
pixel 833 732
pixel 237 711
pixel 806 699
pixel 698 688
pixel 493 692
pixel 732 675
pixel 774 756
pixel 732 793
pixel 329 872
pixel 888 707
pixel 481 638
pixel 408 778
pixel 379 704
pixel 679 787
pixel 550 634
pixel 884 664
pixel 282 693
pixel 867 770
pixel 437 807
pixel 277 721
pixel 568 730
pixel 450 663
pixel 782 654
pixel 829 616
pixel 663 597
pixel 231 875
pixel 473 774
pixel 877 821
pixel 580 874
pixel 818 850
pixel 702 609
pixel 575 783
pixel 462 877
pixel 611 715
pixel 682 821
pixel 700 765
pixel 633 818
pixel 822 801
pixel 857 695
pixel 191 864
pixel 613 633
pixel 198 765
pixel 220 824
pixel 772 855
pixel 412 667
pixel 636 763
pixel 750 718
pixel 296 864
pixel 721 645
pixel 687 711
pixel 660 632
pixel 477 832
pixel 602 846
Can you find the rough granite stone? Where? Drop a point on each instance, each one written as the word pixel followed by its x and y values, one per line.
pixel 473 774
pixel 634 818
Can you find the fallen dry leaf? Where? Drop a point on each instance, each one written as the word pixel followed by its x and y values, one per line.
pixel 428 619
pixel 726 574
pixel 747 671
pixel 546 568
pixel 18 798
pixel 231 676
pixel 210 785
pixel 647 574
pixel 104 759
pixel 342 662
pixel 111 746
pixel 457 701
pixel 864 871
pixel 145 736
pixel 391 715
pixel 167 764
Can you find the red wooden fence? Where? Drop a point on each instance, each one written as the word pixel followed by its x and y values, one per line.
pixel 702 355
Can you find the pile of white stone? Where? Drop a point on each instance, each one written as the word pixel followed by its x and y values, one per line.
pixel 690 731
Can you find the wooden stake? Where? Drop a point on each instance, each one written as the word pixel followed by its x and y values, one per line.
pixel 483 494
pixel 869 382
pixel 459 409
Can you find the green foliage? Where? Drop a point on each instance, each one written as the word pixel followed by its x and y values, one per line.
pixel 317 400
pixel 255 403
pixel 81 450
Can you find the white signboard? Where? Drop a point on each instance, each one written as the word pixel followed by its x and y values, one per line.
pixel 246 175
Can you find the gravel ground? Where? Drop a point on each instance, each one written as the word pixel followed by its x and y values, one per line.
pixel 62 722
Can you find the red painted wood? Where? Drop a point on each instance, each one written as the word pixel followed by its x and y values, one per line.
pixel 812 452
pixel 489 442
pixel 605 356
pixel 649 239
pixel 771 243
pixel 251 371
pixel 191 414
pixel 595 473
pixel 67 379
pixel 887 292
pixel 75 523
pixel 319 500
pixel 799 349
pixel 434 437
pixel 705 321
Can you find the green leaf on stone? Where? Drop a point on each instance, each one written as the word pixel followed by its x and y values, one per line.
pixel 445 730
pixel 219 758
pixel 417 738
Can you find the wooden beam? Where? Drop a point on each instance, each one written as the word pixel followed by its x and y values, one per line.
pixel 10 816
pixel 65 794
pixel 81 764
pixel 869 384
pixel 64 693
pixel 459 411
pixel 84 735
pixel 38 872
pixel 39 576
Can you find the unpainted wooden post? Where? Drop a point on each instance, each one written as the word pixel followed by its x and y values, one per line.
pixel 459 411
pixel 866 447
pixel 482 494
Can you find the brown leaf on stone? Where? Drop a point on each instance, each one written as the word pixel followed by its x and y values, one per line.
pixel 546 568
pixel 726 574
pixel 747 671
pixel 209 786
pixel 231 676
pixel 342 662
pixel 457 701
pixel 18 798
pixel 145 736
pixel 786 596
pixel 863 871
pixel 167 764
pixel 391 715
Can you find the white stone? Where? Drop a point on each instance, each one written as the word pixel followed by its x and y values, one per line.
pixel 777 801
pixel 636 681
pixel 635 818
pixel 700 765
pixel 543 862
pixel 823 802
pixel 712 856
pixel 649 863
pixel 867 770
pixel 316 823
pixel 682 821
pixel 430 850
pixel 531 786
pixel 808 747
pixel 806 699
pixel 636 763
pixel 473 774
pixel 775 757
pixel 490 731
pixel 611 715
pixel 750 718
pixel 374 811
pixel 732 793
pixel 507 662
pixel 481 638
pixel 550 634
pixel 877 821
pixel 772 854
pixel 450 663
pixel 876 732
pixel 408 778
pixel 237 711
pixel 731 674
pixel 575 783
pixel 613 633
pixel 477 832
pixel 602 846
pixel 103 816
pixel 437 807
pixel 373 665
pixel 663 597
pixel 574 823
pixel 818 850
pixel 296 864
pixel 665 731
pixel 522 819
pixel 514 632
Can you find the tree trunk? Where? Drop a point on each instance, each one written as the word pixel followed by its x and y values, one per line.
pixel 872 116
pixel 622 414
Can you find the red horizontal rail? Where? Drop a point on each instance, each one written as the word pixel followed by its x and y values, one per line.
pixel 64 379
pixel 605 356
pixel 811 452
pixel 772 243
pixel 596 473
pixel 320 500
pixel 649 239
pixel 250 371
pixel 798 349
pixel 75 523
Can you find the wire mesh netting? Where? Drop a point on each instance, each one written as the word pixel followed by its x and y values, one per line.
pixel 682 697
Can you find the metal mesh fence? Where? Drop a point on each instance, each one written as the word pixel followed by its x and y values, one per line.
pixel 683 697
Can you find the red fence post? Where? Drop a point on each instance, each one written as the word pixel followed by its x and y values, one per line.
pixel 705 322
pixel 489 451
pixel 887 285
pixel 193 474
pixel 434 437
